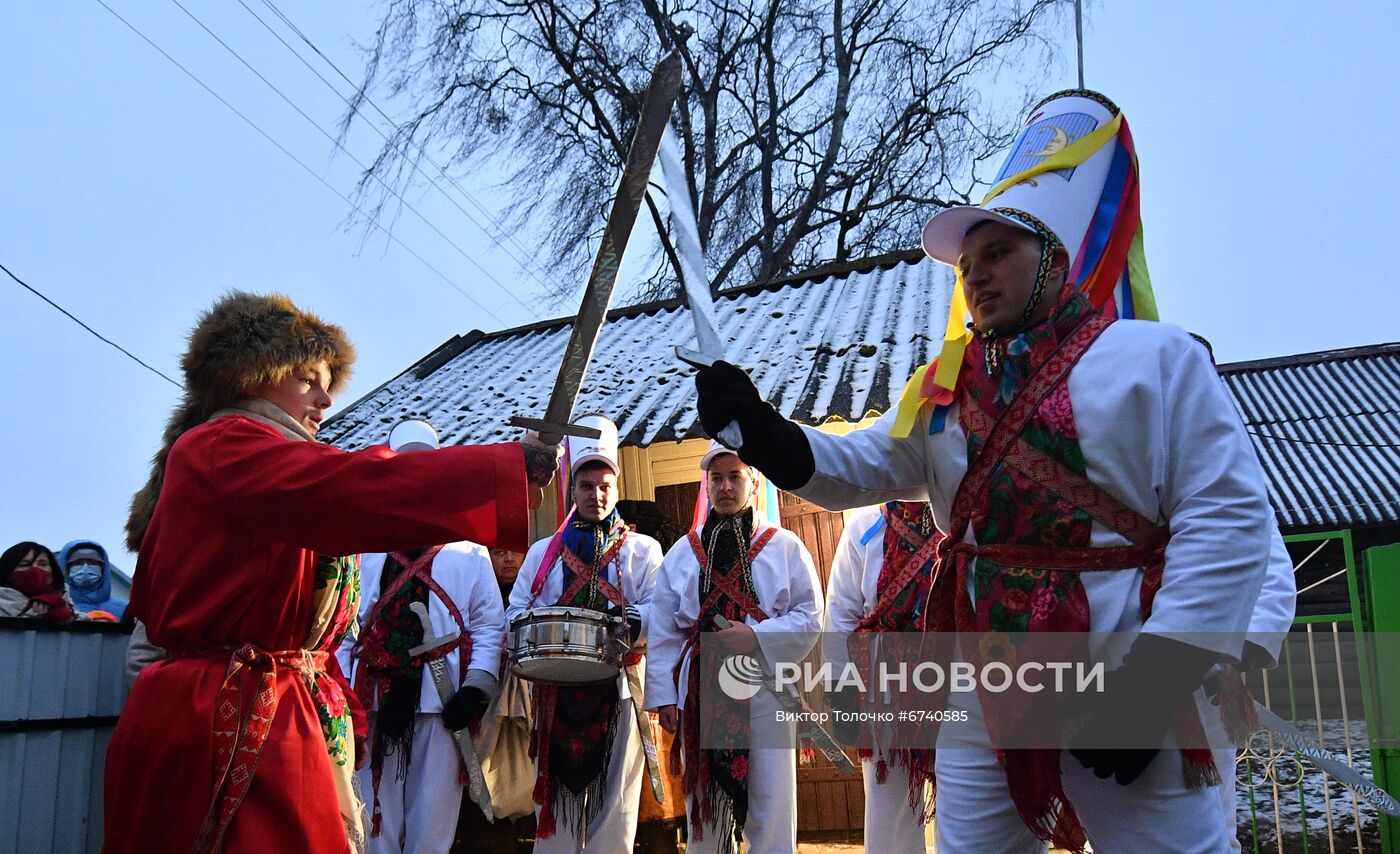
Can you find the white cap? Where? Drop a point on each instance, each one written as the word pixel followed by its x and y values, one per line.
pixel 410 436
pixel 603 449
pixel 715 450
pixel 1064 200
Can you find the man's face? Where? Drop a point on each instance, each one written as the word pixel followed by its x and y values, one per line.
pixel 595 492
pixel 506 564
pixel 730 484
pixel 302 395
pixel 999 263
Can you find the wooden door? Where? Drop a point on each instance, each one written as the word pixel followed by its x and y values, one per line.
pixel 827 801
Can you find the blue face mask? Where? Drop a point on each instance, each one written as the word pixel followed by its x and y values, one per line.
pixel 85 575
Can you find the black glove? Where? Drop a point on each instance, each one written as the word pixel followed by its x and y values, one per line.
pixel 633 613
pixel 847 700
pixel 1137 705
pixel 465 708
pixel 772 444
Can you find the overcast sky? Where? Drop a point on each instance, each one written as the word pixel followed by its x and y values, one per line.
pixel 132 197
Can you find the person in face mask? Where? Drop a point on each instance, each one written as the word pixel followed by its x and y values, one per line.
pixel 89 577
pixel 31 584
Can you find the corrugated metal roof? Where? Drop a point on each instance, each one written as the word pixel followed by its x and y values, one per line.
pixel 835 346
pixel 841 345
pixel 1327 428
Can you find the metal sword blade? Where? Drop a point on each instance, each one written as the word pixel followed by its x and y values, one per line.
pixel 656 111
pixel 694 279
pixel 476 780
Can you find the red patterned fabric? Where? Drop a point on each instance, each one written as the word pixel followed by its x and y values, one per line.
pixel 1030 505
pixel 730 598
pixel 230 559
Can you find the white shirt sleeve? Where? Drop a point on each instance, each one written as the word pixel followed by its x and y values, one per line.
pixel 641 576
pixel 795 620
pixel 845 589
pixel 1278 600
pixel 868 466
pixel 665 633
pixel 1215 502
pixel 483 613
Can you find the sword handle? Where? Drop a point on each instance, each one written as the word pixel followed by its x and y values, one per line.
pixel 731 436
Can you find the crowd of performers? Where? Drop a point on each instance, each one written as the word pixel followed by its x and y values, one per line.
pixel 1064 467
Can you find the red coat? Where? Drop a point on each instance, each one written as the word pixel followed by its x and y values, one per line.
pixel 228 559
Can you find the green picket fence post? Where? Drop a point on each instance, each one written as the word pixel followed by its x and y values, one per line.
pixel 1382 568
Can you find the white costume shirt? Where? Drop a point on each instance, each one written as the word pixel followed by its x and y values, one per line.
pixel 633 573
pixel 787 589
pixel 463 571
pixel 1158 432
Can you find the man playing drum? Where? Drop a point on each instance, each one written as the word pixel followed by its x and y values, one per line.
pixel 760 580
pixel 586 741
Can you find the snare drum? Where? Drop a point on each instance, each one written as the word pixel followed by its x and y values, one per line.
pixel 562 645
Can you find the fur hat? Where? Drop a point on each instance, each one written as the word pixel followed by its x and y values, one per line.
pixel 244 341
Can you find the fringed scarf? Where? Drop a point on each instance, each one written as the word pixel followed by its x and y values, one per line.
pixel 1032 543
pixel 717 779
pixel 386 672
pixel 901 592
pixel 574 724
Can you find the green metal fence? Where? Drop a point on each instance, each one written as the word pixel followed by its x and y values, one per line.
pixel 1326 684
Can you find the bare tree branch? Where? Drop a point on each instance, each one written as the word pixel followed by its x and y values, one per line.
pixel 810 129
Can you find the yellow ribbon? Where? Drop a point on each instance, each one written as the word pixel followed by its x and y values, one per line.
pixel 1144 301
pixel 1071 155
pixel 955 337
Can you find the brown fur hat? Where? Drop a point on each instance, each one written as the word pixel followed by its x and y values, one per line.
pixel 244 341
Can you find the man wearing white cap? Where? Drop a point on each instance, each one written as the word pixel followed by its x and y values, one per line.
pixel 1091 474
pixel 586 740
pixel 880 577
pixel 761 580
pixel 413 780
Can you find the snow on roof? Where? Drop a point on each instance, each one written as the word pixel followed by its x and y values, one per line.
pixel 1327 429
pixel 840 344
pixel 836 345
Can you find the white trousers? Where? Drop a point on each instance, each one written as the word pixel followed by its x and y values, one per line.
pixel 616 825
pixel 771 825
pixel 1157 813
pixel 891 825
pixel 419 812
pixel 1225 762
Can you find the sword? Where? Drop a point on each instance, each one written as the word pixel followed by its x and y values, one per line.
pixel 693 278
pixel 656 112
pixel 634 684
pixel 476 782
pixel 792 701
pixel 1327 761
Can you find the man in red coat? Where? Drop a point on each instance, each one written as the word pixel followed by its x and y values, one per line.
pixel 243 739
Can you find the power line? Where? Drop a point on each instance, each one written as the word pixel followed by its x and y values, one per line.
pixel 501 232
pixel 498 236
pixel 265 135
pixel 357 161
pixel 1323 442
pixel 22 283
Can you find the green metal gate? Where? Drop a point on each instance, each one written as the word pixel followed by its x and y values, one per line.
pixel 1326 684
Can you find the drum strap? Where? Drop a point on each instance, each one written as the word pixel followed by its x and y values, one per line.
pixel 551 551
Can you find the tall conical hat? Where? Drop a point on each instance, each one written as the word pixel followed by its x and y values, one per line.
pixel 1072 175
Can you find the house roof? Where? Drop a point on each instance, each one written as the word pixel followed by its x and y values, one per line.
pixel 839 343
pixel 836 344
pixel 1327 429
